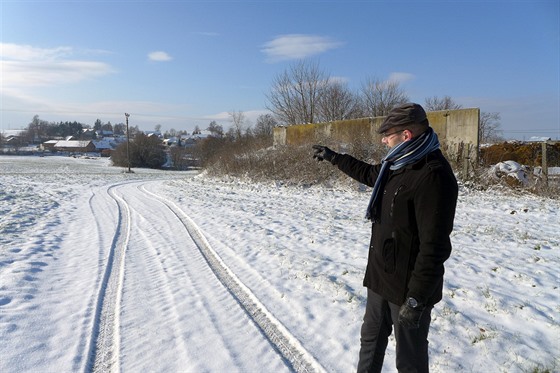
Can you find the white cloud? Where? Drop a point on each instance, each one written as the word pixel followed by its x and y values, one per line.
pixel 159 56
pixel 44 73
pixel 400 77
pixel 27 66
pixel 206 33
pixel 20 108
pixel 297 46
pixel 221 116
pixel 338 79
pixel 17 52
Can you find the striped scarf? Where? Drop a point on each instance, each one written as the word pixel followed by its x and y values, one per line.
pixel 405 153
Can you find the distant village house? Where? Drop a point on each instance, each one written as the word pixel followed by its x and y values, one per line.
pixel 74 146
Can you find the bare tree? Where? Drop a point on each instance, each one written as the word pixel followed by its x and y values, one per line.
pixel 489 128
pixel 107 127
pixel 36 130
pixel 172 132
pixel 294 97
pixel 237 119
pixel 216 129
pixel 379 97
pixel 337 102
pixel 119 129
pixel 446 103
pixel 264 126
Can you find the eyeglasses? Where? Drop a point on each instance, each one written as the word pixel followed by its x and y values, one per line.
pixel 387 135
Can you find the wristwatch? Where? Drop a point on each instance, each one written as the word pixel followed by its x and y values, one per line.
pixel 412 303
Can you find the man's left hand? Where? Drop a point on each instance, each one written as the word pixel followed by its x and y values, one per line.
pixel 409 317
pixel 322 152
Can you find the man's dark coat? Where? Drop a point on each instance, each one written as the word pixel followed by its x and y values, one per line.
pixel 410 241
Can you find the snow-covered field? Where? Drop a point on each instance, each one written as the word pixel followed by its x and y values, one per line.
pixel 164 271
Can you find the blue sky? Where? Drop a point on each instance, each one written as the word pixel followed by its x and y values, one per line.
pixel 186 63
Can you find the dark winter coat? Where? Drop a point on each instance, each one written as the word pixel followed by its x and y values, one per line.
pixel 410 242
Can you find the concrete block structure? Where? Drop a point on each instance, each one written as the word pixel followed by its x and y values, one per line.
pixel 458 132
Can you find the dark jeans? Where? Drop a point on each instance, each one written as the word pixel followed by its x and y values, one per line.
pixel 411 345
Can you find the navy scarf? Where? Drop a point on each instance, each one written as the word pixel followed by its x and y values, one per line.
pixel 405 153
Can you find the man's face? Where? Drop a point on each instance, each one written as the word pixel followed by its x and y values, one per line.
pixel 392 137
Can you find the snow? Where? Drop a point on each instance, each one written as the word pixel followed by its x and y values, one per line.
pixel 511 169
pixel 102 270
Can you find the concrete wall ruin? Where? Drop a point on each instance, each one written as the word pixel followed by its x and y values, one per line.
pixel 458 132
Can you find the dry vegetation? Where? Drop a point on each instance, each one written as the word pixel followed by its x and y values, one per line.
pixel 529 154
pixel 292 165
pixel 258 161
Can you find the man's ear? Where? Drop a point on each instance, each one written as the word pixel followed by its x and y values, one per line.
pixel 408 135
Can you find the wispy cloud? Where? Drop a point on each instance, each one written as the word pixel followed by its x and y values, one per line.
pixel 27 66
pixel 338 79
pixel 206 33
pixel 16 52
pixel 43 73
pixel 297 46
pixel 159 56
pixel 144 113
pixel 400 77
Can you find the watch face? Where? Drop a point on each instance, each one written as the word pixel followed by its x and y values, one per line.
pixel 412 302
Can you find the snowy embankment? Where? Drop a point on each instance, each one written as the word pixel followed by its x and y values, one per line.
pixel 168 271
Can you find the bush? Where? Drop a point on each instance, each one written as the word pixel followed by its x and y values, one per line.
pixel 253 159
pixel 248 159
pixel 145 152
pixel 182 158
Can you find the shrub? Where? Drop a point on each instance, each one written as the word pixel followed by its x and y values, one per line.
pixel 182 158
pixel 145 152
pixel 254 160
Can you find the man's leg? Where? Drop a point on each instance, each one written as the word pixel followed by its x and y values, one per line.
pixel 374 334
pixel 412 344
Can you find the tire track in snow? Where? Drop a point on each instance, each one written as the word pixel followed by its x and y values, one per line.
pixel 159 277
pixel 104 349
pixel 285 343
pixel 88 348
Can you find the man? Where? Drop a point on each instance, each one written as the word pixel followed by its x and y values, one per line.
pixel 412 210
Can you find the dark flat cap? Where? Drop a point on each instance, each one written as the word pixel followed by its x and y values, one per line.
pixel 402 115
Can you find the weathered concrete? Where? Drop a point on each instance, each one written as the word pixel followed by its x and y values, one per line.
pixel 458 132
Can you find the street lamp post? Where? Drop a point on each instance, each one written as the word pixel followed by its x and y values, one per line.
pixel 127 142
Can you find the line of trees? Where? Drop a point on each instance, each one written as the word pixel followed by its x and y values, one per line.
pixel 39 130
pixel 304 93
